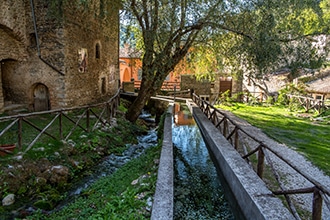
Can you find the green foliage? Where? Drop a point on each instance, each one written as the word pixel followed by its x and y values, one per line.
pixel 260 38
pixel 223 38
pixel 55 9
pixel 325 7
pixel 122 108
pixel 292 89
pixel 225 98
pixel 160 131
pixel 123 207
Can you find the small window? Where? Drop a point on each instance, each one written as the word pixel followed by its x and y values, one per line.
pixel 33 40
pixel 97 51
pixel 103 85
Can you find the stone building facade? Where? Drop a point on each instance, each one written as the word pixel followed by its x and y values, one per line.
pixel 57 55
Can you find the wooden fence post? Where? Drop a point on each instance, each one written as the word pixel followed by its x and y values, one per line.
pixel 19 135
pixel 60 126
pixel 236 138
pixel 261 158
pixel 225 124
pixel 109 112
pixel 317 205
pixel 87 120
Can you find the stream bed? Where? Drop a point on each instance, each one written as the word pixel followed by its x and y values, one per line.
pixel 197 190
pixel 112 162
pixel 106 167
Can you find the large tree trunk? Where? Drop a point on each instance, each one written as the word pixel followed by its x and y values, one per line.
pixel 143 97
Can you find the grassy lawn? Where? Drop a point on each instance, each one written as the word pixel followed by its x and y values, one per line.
pixel 308 137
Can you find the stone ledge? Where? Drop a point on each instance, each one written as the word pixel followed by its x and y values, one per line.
pixel 162 208
pixel 247 193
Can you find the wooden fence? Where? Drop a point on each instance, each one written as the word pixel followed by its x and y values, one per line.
pixel 59 124
pixel 242 141
pixel 309 103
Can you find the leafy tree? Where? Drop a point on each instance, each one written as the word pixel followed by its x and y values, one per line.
pixel 168 30
pixel 254 37
pixel 275 35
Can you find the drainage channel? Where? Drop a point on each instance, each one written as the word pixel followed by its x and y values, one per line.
pixel 198 193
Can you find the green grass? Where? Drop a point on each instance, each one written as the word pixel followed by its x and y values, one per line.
pixel 115 197
pixel 308 137
pixel 51 145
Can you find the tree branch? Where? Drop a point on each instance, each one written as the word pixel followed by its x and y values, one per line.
pixel 217 25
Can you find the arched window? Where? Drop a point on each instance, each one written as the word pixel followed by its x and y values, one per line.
pixel 97 51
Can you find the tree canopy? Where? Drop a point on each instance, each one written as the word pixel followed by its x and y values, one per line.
pixel 254 37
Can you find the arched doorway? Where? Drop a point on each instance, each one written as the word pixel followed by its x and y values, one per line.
pixel 127 76
pixel 41 98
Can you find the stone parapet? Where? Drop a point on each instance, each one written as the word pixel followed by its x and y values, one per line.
pixel 163 205
pixel 246 192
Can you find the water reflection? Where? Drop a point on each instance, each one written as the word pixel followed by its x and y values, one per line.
pixel 182 115
pixel 198 193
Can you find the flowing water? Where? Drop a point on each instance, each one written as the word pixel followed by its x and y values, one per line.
pixel 112 162
pixel 197 191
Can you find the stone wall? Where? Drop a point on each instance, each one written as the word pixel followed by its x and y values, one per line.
pixel 199 87
pixel 100 79
pixel 12 30
pixel 18 88
pixel 12 35
pixel 52 56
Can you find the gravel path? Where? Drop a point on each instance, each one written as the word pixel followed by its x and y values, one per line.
pixel 290 178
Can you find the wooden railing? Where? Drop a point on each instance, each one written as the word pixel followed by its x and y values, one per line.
pixel 242 141
pixel 25 130
pixel 309 103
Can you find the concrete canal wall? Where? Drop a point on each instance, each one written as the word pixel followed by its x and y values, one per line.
pixel 163 207
pixel 247 193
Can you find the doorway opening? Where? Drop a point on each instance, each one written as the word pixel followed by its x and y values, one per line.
pixel 41 98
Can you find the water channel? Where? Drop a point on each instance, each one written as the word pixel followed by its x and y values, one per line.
pixel 197 190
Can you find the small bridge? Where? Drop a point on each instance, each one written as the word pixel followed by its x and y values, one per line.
pixel 249 165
